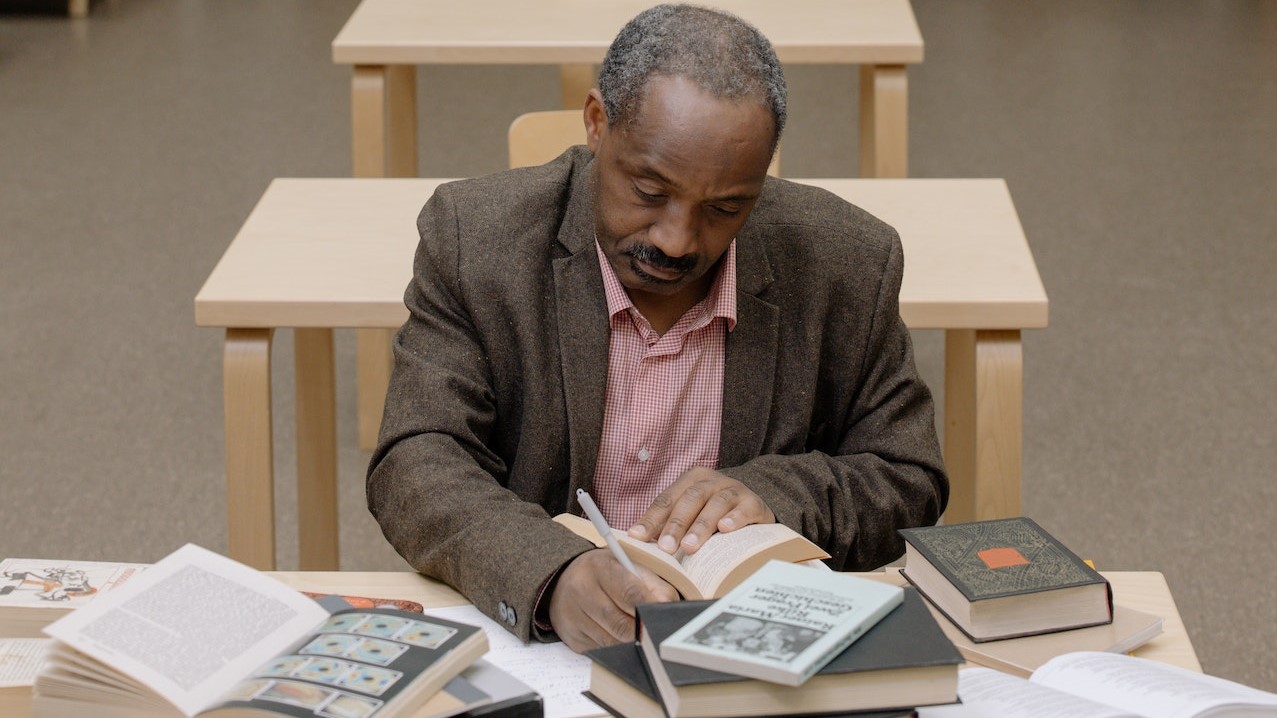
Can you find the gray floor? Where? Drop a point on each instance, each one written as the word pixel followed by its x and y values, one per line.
pixel 1138 140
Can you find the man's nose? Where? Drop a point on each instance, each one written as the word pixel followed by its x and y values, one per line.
pixel 676 232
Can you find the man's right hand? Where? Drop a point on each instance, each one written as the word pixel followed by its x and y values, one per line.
pixel 594 599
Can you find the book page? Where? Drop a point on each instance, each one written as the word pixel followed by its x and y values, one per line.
pixel 551 669
pixel 1145 687
pixel 987 693
pixel 20 660
pixel 724 551
pixel 191 625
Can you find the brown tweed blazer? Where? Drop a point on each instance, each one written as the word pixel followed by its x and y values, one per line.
pixel 495 408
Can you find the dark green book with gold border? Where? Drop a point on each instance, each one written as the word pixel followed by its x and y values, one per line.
pixel 1005 578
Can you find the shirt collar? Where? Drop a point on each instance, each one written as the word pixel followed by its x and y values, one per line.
pixel 720 301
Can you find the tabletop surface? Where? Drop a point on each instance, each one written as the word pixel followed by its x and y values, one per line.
pixel 579 31
pixel 338 253
pixel 1141 590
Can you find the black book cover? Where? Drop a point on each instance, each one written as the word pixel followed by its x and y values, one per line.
pixel 907 637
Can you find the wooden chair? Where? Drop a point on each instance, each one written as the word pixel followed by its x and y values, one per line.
pixel 535 138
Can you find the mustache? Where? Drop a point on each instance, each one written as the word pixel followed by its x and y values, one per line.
pixel 648 254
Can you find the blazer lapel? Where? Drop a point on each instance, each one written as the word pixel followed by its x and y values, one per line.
pixel 750 362
pixel 581 313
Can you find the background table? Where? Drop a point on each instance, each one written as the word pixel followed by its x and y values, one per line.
pixel 385 40
pixel 316 254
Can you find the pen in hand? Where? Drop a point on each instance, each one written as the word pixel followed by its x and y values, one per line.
pixel 600 525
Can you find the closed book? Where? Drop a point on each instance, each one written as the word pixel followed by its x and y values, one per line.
pixel 782 624
pixel 903 662
pixel 1005 578
pixel 35 592
pixel 619 683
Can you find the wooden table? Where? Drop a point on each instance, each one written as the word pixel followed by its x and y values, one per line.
pixel 384 41
pixel 1142 590
pixel 317 254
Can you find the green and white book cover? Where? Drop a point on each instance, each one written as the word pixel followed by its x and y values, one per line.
pixel 783 623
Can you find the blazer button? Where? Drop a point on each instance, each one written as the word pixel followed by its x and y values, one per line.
pixel 503 611
pixel 511 616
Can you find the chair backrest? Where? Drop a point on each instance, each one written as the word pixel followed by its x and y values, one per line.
pixel 538 137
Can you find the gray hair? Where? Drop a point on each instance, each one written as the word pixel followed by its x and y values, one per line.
pixel 724 55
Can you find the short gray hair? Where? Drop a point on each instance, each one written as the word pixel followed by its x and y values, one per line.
pixel 724 55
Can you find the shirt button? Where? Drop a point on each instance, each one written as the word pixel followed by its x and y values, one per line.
pixel 644 455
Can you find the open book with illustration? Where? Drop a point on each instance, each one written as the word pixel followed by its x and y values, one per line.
pixel 724 561
pixel 200 634
pixel 1103 685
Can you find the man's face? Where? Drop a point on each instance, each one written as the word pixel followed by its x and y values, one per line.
pixel 674 186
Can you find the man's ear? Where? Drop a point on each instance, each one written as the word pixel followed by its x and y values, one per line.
pixel 595 120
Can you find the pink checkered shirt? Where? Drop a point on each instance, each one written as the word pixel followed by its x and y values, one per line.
pixel 664 408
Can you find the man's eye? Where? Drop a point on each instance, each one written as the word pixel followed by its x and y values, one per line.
pixel 648 197
pixel 725 211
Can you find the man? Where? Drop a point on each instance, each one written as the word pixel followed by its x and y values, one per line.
pixel 653 320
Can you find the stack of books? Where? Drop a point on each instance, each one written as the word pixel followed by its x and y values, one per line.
pixel 778 645
pixel 1011 596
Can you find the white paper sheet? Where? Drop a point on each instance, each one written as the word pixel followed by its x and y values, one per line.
pixel 551 669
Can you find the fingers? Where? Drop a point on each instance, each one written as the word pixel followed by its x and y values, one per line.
pixel 594 599
pixel 700 503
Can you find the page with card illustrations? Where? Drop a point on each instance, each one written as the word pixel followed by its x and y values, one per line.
pixel 191 626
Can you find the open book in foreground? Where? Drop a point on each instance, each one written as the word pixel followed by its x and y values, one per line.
pixel 200 634
pixel 1103 685
pixel 724 561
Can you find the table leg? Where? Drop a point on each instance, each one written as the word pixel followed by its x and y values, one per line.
pixel 884 121
pixel 982 426
pixel 316 450
pixel 384 138
pixel 250 477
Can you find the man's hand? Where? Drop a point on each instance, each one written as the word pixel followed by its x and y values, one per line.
pixel 696 506
pixel 594 599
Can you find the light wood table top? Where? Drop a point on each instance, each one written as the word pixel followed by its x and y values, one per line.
pixel 338 253
pixel 574 31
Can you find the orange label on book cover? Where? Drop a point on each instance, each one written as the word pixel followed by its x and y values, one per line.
pixel 1002 557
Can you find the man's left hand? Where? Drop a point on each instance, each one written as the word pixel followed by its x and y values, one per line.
pixel 700 503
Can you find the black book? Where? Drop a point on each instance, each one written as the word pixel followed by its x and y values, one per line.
pixel 619 683
pixel 902 662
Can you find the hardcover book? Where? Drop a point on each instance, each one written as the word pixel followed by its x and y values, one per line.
pixel 619 684
pixel 903 662
pixel 200 634
pixel 722 562
pixel 1005 578
pixel 36 592
pixel 782 624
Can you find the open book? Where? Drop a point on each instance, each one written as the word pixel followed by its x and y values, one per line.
pixel 724 561
pixel 200 634
pixel 1103 685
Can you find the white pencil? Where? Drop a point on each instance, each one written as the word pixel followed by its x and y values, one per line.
pixel 600 525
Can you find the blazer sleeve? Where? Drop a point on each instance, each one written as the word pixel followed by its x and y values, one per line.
pixel 435 484
pixel 880 468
